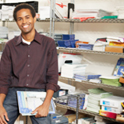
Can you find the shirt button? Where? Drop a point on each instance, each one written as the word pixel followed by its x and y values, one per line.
pixel 28 55
pixel 27 75
pixel 28 65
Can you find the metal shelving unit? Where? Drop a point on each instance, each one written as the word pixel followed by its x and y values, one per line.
pixel 91 20
pixel 73 82
pixel 80 51
pixel 92 83
pixel 78 21
pixel 84 112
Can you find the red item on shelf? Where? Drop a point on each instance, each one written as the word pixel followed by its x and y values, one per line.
pixel 83 18
pixel 108 114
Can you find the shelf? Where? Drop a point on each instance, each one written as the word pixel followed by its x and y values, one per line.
pixel 38 20
pixel 91 20
pixel 79 51
pixel 84 112
pixel 94 84
pixel 78 21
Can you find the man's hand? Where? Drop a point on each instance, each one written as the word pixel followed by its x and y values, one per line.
pixel 42 111
pixel 3 114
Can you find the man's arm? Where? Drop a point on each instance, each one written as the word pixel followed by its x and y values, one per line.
pixel 51 80
pixel 3 112
pixel 43 109
pixel 5 72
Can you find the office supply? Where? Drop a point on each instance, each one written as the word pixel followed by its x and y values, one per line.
pixel 70 88
pixel 70 6
pixel 110 80
pixel 44 12
pixel 85 46
pixel 30 100
pixel 116 49
pixel 61 10
pixel 68 58
pixel 94 97
pixel 119 68
pixel 68 70
pixel 112 101
pixel 112 109
pixel 86 76
pixel 108 114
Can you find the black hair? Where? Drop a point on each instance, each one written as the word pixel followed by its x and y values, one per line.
pixel 23 6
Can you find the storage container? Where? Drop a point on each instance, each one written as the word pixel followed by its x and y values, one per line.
pixel 68 36
pixel 85 46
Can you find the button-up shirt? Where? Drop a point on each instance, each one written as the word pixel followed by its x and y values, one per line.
pixel 32 66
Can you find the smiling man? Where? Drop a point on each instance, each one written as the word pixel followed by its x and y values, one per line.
pixel 28 63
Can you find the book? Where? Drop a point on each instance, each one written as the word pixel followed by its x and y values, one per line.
pixel 28 101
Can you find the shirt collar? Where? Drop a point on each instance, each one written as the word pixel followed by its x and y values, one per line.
pixel 37 38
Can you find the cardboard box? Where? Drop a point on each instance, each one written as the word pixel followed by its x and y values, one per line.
pixel 72 117
pixel 116 49
pixel 121 80
pixel 120 118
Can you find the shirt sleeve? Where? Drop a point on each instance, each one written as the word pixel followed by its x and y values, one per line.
pixel 52 69
pixel 5 70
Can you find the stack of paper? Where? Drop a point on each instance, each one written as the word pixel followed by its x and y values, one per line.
pixel 86 76
pixel 85 13
pixel 112 104
pixel 94 99
pixel 68 70
pixel 115 39
pixel 100 45
pixel 7 12
pixel 30 100
pixel 61 10
pixel 44 12
pixel 4 32
pixel 71 89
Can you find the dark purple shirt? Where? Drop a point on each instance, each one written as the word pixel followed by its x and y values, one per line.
pixel 32 66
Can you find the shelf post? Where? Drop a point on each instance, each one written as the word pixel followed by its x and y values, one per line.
pixel 77 109
pixel 71 27
pixel 52 17
pixel 4 1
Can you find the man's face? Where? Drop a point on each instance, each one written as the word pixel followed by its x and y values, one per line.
pixel 25 21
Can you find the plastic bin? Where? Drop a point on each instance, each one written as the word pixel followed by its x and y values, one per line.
pixel 73 43
pixel 61 43
pixel 85 46
pixel 68 36
pixel 67 43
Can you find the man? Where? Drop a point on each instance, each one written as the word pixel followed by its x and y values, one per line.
pixel 28 63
